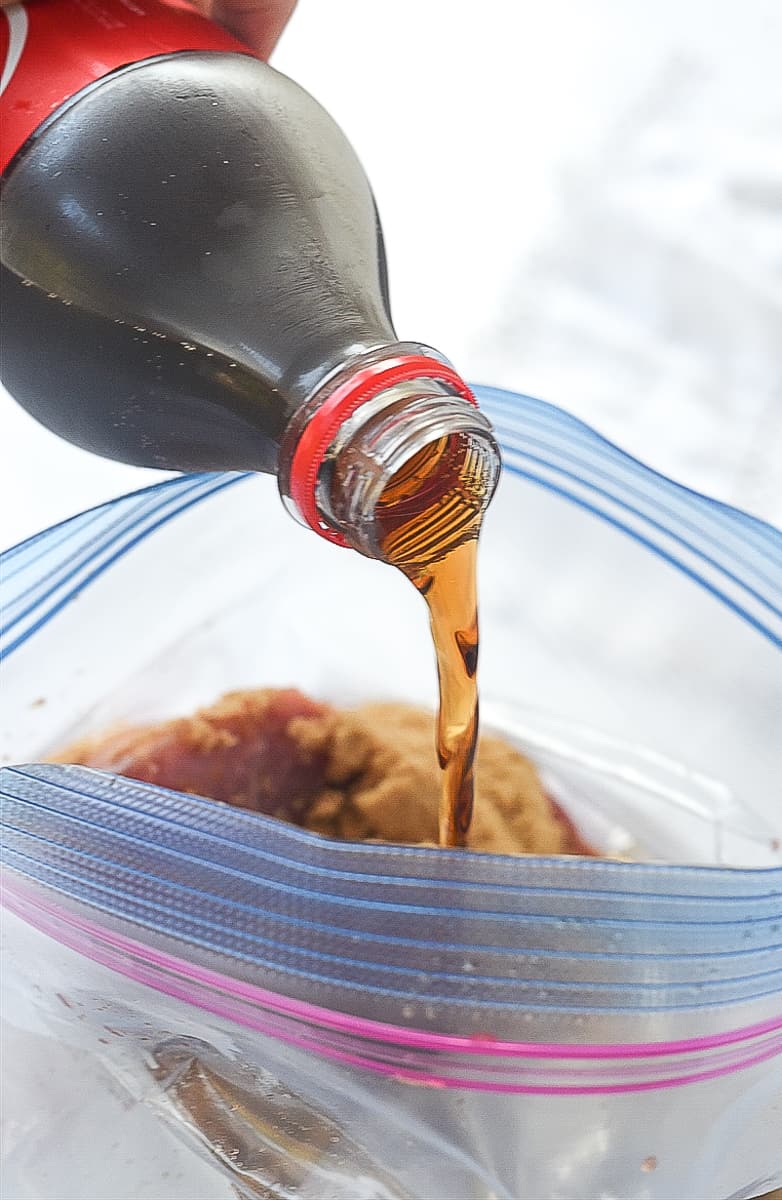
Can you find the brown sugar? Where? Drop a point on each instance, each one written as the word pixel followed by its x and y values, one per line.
pixel 365 774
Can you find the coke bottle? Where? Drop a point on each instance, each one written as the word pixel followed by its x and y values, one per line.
pixel 193 276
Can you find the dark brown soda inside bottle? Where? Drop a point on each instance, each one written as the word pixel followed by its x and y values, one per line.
pixel 193 277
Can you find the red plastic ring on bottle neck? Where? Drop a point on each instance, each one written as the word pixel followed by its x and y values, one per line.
pixel 322 428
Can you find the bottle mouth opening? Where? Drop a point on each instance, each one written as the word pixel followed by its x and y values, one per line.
pixel 413 481
pixel 344 405
pixel 455 478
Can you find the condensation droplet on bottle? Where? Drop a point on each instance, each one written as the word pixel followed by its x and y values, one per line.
pixel 207 253
pixel 187 346
pixel 408 1010
pixel 52 295
pixel 27 283
pixel 99 213
pixel 210 354
pixel 226 162
pixel 468 966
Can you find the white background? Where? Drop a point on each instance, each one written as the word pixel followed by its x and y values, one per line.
pixel 582 199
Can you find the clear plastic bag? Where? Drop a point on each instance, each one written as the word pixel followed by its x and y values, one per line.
pixel 239 1007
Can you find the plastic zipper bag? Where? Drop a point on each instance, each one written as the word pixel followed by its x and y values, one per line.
pixel 199 1001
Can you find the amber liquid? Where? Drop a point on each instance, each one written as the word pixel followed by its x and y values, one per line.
pixel 430 517
pixel 450 592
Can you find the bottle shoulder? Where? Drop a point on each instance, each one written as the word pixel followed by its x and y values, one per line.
pixel 205 197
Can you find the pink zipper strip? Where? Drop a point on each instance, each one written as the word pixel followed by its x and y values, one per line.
pixel 189 982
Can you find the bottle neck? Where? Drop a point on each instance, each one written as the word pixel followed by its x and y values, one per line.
pixel 392 457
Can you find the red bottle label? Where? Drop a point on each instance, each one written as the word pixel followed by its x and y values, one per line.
pixel 50 49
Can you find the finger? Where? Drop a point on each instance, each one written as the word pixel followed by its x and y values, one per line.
pixel 257 23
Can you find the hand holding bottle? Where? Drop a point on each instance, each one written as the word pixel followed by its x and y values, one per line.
pixel 258 23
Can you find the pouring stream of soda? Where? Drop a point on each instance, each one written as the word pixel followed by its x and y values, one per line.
pixel 447 581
